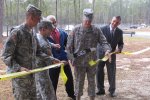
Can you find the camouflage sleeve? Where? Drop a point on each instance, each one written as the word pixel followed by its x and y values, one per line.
pixel 103 42
pixel 51 44
pixel 43 56
pixel 8 52
pixel 70 41
pixel 70 45
pixel 46 49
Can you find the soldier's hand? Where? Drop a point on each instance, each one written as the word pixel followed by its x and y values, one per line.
pixel 117 51
pixel 70 63
pixel 56 46
pixel 56 61
pixel 65 62
pixel 107 53
pixel 24 69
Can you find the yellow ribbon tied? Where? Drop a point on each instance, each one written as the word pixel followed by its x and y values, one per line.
pixel 62 74
pixel 92 62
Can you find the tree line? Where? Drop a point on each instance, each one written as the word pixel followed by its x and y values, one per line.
pixel 70 11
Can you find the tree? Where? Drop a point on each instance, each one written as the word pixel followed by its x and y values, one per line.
pixel 36 3
pixel 1 17
pixel 75 12
pixel 70 11
pixel 17 11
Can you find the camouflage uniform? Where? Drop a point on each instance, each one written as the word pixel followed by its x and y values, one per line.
pixel 43 81
pixel 78 40
pixel 20 51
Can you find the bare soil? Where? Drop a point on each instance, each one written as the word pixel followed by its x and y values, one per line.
pixel 133 75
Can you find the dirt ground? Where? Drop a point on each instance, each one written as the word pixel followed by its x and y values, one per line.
pixel 133 75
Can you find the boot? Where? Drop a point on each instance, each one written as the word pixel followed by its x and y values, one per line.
pixel 92 97
pixel 73 98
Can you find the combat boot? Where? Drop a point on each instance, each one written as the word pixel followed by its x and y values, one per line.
pixel 92 97
pixel 78 97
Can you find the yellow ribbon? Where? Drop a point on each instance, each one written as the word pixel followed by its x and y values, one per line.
pixel 126 53
pixel 23 73
pixel 105 58
pixel 92 62
pixel 62 74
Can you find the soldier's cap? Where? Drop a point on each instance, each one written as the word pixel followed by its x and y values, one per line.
pixel 88 14
pixel 44 23
pixel 32 9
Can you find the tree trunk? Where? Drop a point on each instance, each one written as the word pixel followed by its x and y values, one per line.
pixel 17 13
pixel 56 9
pixel 75 11
pixel 79 11
pixel 36 3
pixel 60 18
pixel 1 18
pixel 11 13
pixel 93 5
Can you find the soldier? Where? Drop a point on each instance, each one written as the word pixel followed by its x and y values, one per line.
pixel 83 38
pixel 45 90
pixel 19 54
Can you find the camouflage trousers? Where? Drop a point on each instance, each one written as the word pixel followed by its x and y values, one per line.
pixel 80 73
pixel 45 90
pixel 24 88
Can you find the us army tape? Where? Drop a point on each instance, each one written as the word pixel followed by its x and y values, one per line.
pixel 92 62
pixel 23 73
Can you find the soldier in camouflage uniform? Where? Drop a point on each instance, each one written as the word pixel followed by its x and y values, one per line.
pixel 83 37
pixel 19 54
pixel 45 90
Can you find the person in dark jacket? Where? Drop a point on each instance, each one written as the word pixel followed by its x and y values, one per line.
pixel 114 36
pixel 58 36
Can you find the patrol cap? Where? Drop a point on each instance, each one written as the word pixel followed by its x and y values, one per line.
pixel 45 24
pixel 32 9
pixel 88 14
